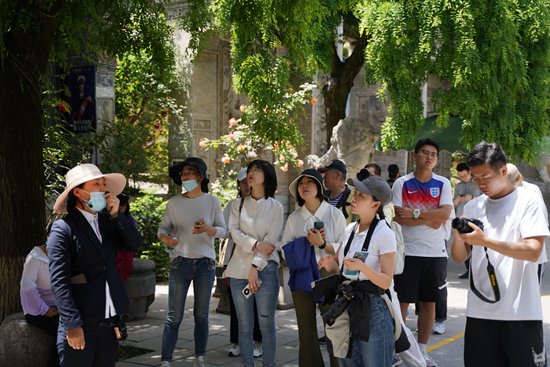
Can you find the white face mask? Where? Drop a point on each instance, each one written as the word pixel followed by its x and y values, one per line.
pixel 189 185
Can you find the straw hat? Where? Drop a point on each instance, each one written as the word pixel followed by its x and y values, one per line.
pixel 114 183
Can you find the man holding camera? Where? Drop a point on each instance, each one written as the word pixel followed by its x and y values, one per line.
pixel 423 203
pixel 504 312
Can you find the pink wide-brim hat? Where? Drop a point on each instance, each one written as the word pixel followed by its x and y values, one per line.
pixel 114 183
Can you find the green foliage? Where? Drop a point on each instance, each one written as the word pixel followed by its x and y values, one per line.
pixel 136 144
pixel 493 57
pixel 148 210
pixel 259 32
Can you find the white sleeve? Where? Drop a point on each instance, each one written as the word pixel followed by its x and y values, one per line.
pixel 241 239
pixel 446 194
pixel 339 226
pixel 533 222
pixel 287 234
pixel 276 226
pixel 386 240
pixel 397 192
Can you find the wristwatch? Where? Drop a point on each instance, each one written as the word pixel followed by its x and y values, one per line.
pixel 416 213
pixel 323 245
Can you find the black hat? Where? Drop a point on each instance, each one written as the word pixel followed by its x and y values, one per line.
pixel 374 186
pixel 124 199
pixel 337 165
pixel 312 173
pixel 175 171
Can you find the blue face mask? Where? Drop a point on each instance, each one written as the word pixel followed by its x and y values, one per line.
pixel 97 201
pixel 189 185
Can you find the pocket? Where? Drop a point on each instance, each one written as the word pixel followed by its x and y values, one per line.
pixel 175 262
pixel 211 264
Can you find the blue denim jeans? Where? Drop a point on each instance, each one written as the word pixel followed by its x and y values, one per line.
pixel 182 271
pixel 266 301
pixel 377 352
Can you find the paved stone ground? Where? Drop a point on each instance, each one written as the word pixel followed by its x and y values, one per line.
pixel 445 349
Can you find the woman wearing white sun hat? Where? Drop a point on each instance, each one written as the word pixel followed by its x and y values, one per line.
pixel 82 246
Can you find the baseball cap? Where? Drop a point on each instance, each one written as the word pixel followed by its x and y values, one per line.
pixel 337 165
pixel 374 186
pixel 242 174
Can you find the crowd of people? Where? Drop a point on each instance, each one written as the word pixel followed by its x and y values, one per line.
pixel 340 249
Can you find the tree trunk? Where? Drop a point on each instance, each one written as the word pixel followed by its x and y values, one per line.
pixel 22 210
pixel 338 87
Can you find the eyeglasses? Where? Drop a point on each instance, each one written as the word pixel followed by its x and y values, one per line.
pixel 427 153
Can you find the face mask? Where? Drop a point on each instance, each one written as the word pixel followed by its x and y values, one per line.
pixel 97 201
pixel 189 185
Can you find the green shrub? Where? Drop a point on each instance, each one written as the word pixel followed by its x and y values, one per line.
pixel 148 210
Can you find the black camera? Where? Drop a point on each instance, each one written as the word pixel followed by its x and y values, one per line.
pixel 344 296
pixel 461 224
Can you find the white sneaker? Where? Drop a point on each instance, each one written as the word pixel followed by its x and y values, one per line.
pixel 258 350
pixel 164 364
pixel 439 328
pixel 429 361
pixel 200 362
pixel 396 360
pixel 234 351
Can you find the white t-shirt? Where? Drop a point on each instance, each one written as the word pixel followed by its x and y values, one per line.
pixel 534 188
pixel 517 215
pixel 409 192
pixel 382 242
pixel 301 220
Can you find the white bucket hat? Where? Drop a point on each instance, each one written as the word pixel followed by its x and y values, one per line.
pixel 114 183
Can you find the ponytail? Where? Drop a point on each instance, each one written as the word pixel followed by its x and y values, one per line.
pixel 380 212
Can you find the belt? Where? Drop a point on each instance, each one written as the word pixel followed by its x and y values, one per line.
pixel 110 322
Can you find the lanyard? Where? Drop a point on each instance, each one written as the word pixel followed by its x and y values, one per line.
pixel 365 244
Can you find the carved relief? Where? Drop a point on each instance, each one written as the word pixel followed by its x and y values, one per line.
pixel 352 142
pixel 544 167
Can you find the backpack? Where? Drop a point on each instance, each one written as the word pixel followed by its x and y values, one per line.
pixel 399 263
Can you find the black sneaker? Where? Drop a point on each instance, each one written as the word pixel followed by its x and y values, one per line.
pixel 322 340
pixel 464 275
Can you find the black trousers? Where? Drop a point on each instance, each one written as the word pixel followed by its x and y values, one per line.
pixel 101 349
pixel 49 326
pixel 234 323
pixel 496 343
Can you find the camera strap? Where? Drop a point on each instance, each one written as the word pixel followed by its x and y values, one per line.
pixel 492 279
pixel 366 244
pixel 490 272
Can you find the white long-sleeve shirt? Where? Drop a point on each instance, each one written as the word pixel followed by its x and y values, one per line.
pixel 36 290
pixel 259 220
pixel 301 220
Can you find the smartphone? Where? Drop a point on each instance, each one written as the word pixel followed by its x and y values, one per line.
pixel 318 225
pixel 247 292
pixel 358 255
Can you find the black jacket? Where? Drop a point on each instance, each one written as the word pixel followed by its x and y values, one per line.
pixel 80 265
